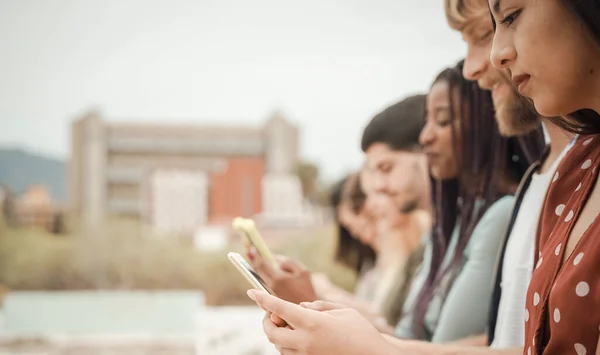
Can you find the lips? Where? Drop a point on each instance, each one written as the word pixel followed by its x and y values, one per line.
pixel 520 81
pixel 431 156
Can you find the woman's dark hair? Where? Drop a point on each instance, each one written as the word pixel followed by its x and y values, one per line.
pixel 583 121
pixel 350 251
pixel 487 163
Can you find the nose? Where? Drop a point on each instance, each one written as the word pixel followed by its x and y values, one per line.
pixel 503 51
pixel 378 181
pixel 476 63
pixel 427 135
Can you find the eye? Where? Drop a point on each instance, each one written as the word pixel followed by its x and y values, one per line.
pixel 485 37
pixel 509 19
pixel 443 123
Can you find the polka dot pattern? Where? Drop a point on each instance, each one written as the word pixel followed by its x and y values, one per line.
pixel 580 349
pixel 561 295
pixel 536 299
pixel 577 259
pixel 570 216
pixel 582 289
pixel 586 165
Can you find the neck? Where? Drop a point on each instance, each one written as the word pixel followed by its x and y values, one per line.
pixel 558 141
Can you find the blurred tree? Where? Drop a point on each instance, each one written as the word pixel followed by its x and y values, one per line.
pixel 9 208
pixel 323 195
pixel 309 178
pixel 58 224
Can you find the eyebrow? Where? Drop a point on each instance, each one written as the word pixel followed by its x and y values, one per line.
pixel 496 6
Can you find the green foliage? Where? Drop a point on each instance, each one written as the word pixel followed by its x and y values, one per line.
pixel 309 178
pixel 126 256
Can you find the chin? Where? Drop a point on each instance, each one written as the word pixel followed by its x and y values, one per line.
pixel 511 125
pixel 438 176
pixel 515 118
pixel 551 108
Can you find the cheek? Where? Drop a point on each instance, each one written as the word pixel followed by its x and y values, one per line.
pixel 556 82
pixel 556 90
pixel 447 146
pixel 345 219
pixel 396 177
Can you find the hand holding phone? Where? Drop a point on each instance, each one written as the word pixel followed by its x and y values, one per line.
pixel 247 228
pixel 246 270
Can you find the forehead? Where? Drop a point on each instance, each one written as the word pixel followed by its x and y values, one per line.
pixel 438 93
pixel 474 25
pixel 460 12
pixel 382 153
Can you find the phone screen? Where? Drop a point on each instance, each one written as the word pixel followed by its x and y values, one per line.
pixel 251 270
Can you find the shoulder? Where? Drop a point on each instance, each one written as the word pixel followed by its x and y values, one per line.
pixel 498 210
pixel 491 227
pixel 501 207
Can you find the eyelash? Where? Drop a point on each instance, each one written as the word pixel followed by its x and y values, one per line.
pixel 485 38
pixel 443 122
pixel 510 19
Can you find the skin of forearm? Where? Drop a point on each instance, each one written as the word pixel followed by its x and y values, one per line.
pixel 413 347
pixel 477 340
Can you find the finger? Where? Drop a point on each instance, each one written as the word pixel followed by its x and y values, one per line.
pixel 251 253
pixel 262 268
pixel 281 337
pixel 322 306
pixel 277 320
pixel 291 313
pixel 290 266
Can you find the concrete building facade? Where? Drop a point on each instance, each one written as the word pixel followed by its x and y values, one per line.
pixel 185 175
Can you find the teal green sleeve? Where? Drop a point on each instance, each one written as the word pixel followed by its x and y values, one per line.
pixel 404 327
pixel 465 310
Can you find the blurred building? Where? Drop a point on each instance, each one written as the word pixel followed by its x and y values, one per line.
pixel 178 177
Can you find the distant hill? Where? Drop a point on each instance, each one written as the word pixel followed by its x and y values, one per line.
pixel 19 169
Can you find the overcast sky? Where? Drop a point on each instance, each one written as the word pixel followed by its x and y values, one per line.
pixel 329 65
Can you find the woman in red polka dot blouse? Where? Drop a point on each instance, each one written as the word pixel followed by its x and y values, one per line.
pixel 552 50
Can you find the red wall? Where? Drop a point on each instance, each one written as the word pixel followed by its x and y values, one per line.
pixel 237 190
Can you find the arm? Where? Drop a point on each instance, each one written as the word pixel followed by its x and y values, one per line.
pixel 478 340
pixel 465 311
pixel 414 347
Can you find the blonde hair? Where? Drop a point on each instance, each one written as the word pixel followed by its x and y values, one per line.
pixel 460 12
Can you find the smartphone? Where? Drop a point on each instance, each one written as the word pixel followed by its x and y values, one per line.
pixel 247 271
pixel 247 228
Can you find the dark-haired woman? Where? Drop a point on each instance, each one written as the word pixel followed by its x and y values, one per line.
pixel 552 49
pixel 356 235
pixel 472 186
